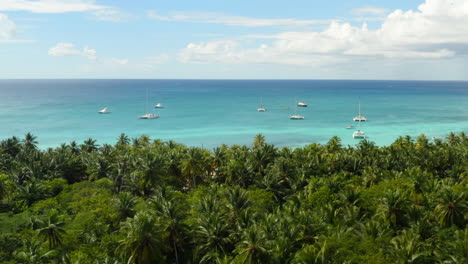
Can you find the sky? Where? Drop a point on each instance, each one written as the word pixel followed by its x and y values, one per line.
pixel 254 39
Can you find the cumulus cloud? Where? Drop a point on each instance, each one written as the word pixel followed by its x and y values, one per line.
pixel 7 28
pixel 69 49
pixel 231 20
pixel 94 61
pixel 431 32
pixel 49 6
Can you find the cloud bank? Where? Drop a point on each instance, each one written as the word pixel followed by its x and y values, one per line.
pixel 7 28
pixel 230 20
pixel 435 30
pixel 49 6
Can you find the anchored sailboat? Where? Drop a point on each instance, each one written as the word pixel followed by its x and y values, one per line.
pixel 359 134
pixel 105 110
pixel 360 117
pixel 148 115
pixel 261 108
pixel 296 116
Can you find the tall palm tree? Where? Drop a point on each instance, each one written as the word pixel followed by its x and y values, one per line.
pixel 172 214
pixel 252 249
pixel 53 230
pixel 142 245
pixel 29 141
pixel 451 209
pixel 89 145
pixel 193 166
pixel 123 139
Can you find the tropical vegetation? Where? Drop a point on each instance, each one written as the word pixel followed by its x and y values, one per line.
pixel 149 201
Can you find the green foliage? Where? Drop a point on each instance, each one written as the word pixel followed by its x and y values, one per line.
pixel 144 201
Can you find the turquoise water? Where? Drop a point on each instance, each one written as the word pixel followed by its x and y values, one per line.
pixel 210 112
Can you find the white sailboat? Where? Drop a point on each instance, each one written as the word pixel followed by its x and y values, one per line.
pixel 360 117
pixel 302 104
pixel 159 105
pixel 296 116
pixel 359 134
pixel 148 115
pixel 105 110
pixel 261 108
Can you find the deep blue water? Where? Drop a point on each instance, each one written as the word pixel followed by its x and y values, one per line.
pixel 211 112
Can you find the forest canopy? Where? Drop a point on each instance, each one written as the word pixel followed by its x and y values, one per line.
pixel 149 201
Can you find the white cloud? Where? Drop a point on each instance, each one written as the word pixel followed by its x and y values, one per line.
pixel 369 10
pixel 7 28
pixel 111 15
pixel 50 6
pixel 69 49
pixel 434 31
pixel 95 62
pixel 231 20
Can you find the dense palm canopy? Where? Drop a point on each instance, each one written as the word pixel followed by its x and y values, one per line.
pixel 145 201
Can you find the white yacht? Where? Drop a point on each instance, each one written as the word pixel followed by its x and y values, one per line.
pixel 105 110
pixel 296 117
pixel 159 105
pixel 302 104
pixel 261 108
pixel 359 134
pixel 360 118
pixel 148 115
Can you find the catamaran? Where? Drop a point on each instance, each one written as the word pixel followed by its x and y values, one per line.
pixel 360 117
pixel 148 115
pixel 359 134
pixel 296 116
pixel 261 108
pixel 105 110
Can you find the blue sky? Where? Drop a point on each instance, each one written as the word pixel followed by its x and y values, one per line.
pixel 297 39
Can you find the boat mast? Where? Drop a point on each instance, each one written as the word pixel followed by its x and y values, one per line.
pixel 359 107
pixel 146 105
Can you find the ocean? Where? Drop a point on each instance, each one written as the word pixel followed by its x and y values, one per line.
pixel 208 113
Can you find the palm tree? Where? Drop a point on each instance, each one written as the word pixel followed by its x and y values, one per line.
pixel 53 230
pixel 142 245
pixel 237 201
pixel 89 145
pixel 123 139
pixel 408 248
pixel 172 214
pixel 11 146
pixel 393 207
pixel 193 166
pixel 125 203
pixel 451 209
pixel 212 235
pixel 75 150
pixel 252 248
pixel 152 169
pixel 33 253
pixel 29 141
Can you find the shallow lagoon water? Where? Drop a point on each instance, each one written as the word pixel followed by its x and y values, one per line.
pixel 212 112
